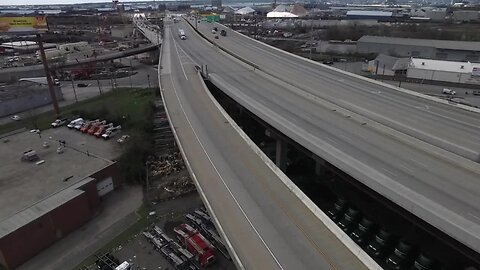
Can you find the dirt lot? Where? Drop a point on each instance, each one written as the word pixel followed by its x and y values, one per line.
pixel 141 252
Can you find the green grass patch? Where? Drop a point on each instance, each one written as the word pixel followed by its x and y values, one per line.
pixel 123 106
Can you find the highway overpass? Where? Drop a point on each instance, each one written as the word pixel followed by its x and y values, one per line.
pixel 267 222
pixel 417 151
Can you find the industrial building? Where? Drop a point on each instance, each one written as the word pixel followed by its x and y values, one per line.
pixel 45 198
pixel 420 48
pixel 368 15
pixel 446 71
pixel 217 3
pixel 466 15
pixel 284 11
pixel 26 94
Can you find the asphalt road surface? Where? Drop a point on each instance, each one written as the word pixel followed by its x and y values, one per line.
pixel 436 185
pixel 445 126
pixel 268 226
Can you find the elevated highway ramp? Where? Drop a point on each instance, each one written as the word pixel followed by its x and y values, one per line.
pixel 429 181
pixel 265 222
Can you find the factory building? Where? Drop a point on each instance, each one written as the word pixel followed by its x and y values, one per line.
pixel 466 15
pixel 48 194
pixel 446 71
pixel 420 48
pixel 368 15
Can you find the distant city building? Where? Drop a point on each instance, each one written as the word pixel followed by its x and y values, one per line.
pixel 446 71
pixel 283 11
pixel 382 65
pixel 437 15
pixel 466 15
pixel 245 11
pixel 217 3
pixel 421 48
pixel 368 14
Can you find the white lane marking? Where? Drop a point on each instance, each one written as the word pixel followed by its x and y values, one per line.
pixel 330 140
pixel 474 216
pixel 221 178
pixel 186 54
pixel 405 167
pixel 388 171
pixel 178 55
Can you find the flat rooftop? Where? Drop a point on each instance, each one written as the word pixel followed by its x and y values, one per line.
pixel 23 183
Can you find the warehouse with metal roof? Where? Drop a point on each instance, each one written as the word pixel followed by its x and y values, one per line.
pixel 420 48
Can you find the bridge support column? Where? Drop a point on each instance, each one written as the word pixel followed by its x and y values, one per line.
pixel 281 155
pixel 319 166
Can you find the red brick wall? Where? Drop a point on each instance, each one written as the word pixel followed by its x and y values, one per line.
pixel 92 196
pixel 21 245
pixel 24 243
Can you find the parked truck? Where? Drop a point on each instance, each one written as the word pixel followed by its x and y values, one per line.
pixel 196 244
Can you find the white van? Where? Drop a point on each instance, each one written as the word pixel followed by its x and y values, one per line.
pixel 448 91
pixel 74 122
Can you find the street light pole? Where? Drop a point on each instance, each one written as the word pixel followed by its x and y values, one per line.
pixel 49 77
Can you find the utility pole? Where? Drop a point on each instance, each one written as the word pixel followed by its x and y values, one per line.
pixel 74 91
pixel 130 74
pixel 148 78
pixel 49 77
pixel 311 40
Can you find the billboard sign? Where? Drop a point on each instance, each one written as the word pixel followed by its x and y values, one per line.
pixel 35 24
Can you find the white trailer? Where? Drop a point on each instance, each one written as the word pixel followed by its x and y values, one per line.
pixel 181 34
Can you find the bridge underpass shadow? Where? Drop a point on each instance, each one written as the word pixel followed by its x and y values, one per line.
pixel 324 184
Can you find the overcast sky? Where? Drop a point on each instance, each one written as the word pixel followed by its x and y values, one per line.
pixel 46 2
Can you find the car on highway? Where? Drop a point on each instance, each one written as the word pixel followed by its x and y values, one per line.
pixel 349 219
pixel 380 244
pixel 401 258
pixel 216 37
pixel 223 32
pixel 59 122
pixel 449 91
pixel 16 118
pixel 363 232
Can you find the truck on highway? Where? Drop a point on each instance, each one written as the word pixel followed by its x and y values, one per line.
pixel 181 34
pixel 223 32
